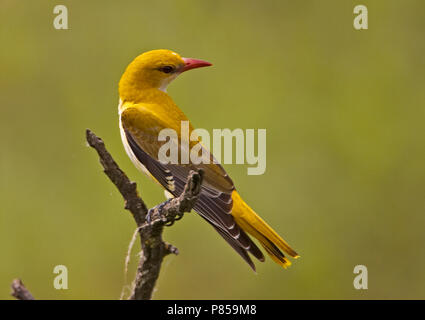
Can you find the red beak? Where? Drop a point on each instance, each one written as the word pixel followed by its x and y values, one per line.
pixel 194 63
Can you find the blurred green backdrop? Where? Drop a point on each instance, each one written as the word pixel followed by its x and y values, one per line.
pixel 344 113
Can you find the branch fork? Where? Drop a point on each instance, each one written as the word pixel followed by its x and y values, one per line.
pixel 150 223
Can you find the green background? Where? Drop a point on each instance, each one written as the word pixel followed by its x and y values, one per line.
pixel 344 113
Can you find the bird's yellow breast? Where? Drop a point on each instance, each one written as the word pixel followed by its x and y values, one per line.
pixel 158 105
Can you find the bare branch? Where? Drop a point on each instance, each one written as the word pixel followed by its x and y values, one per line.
pixel 19 291
pixel 150 223
pixel 154 249
pixel 127 188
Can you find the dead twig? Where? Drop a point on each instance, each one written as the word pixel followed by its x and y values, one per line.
pixel 154 249
pixel 19 291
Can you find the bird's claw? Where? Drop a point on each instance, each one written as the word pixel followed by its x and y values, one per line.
pixel 179 216
pixel 174 219
pixel 149 218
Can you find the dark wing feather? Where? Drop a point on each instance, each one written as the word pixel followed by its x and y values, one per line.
pixel 216 212
pixel 215 201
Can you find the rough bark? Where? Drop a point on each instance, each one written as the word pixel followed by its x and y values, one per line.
pixel 19 291
pixel 151 222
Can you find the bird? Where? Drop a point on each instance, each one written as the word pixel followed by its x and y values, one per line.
pixel 145 108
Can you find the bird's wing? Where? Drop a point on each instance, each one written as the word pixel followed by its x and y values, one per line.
pixel 142 128
pixel 145 126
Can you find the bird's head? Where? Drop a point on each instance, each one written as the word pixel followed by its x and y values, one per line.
pixel 156 69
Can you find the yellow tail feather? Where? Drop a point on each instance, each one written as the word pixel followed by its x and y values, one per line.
pixel 250 222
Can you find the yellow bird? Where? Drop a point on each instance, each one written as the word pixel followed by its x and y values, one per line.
pixel 144 110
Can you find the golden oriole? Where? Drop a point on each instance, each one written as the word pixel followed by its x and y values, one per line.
pixel 144 110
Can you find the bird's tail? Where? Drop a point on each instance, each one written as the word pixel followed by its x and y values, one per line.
pixel 250 222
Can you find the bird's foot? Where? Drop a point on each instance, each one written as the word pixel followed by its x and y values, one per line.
pixel 156 211
pixel 171 220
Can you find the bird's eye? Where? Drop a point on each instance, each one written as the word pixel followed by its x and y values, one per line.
pixel 167 69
